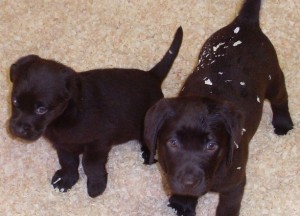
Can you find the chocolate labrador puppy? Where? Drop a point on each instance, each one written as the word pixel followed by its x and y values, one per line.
pixel 202 136
pixel 84 113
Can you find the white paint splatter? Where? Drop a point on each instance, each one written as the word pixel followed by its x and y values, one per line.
pixel 212 61
pixel 62 190
pixel 236 30
pixel 208 82
pixel 170 51
pixel 221 73
pixel 215 48
pixel 236 145
pixel 56 181
pixel 258 99
pixel 183 88
pixel 228 80
pixel 237 43
pixel 238 168
pixel 242 83
pixel 243 131
pixel 270 77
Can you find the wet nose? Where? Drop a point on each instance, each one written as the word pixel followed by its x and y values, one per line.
pixel 22 129
pixel 191 180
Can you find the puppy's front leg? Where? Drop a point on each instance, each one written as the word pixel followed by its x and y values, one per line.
pixel 68 175
pixel 94 161
pixel 230 201
pixel 184 205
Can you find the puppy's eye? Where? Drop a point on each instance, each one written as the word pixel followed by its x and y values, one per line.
pixel 41 110
pixel 15 102
pixel 172 143
pixel 211 146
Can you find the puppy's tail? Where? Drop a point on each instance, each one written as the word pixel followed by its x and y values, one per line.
pixel 161 69
pixel 249 12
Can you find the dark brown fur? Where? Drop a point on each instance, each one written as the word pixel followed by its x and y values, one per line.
pixel 84 113
pixel 202 136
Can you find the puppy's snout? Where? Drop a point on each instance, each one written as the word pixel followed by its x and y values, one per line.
pixel 190 180
pixel 20 128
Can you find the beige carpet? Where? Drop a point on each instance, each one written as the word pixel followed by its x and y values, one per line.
pixel 131 33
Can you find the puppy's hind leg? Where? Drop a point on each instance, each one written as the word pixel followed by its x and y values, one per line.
pixel 68 175
pixel 278 98
pixel 94 161
pixel 184 205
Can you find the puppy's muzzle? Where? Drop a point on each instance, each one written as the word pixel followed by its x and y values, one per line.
pixel 23 130
pixel 188 183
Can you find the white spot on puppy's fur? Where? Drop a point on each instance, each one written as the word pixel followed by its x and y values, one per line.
pixel 208 82
pixel 243 131
pixel 237 43
pixel 56 181
pixel 258 99
pixel 236 30
pixel 215 48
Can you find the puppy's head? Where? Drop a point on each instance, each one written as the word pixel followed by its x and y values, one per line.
pixel 194 137
pixel 41 90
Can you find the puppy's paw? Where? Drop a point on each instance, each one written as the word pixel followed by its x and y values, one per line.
pixel 63 180
pixel 96 188
pixel 146 156
pixel 182 209
pixel 282 126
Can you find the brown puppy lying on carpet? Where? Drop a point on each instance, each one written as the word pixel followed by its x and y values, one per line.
pixel 202 136
pixel 84 113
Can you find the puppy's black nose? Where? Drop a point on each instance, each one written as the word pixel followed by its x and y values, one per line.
pixel 22 129
pixel 190 180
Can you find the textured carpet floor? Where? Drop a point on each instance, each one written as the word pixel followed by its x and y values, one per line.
pixel 130 33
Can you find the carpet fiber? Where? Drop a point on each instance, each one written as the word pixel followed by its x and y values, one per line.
pixel 87 34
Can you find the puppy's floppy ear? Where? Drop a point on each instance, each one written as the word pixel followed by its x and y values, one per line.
pixel 234 121
pixel 154 120
pixel 20 65
pixel 71 88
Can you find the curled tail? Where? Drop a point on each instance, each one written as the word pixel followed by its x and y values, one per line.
pixel 249 12
pixel 161 69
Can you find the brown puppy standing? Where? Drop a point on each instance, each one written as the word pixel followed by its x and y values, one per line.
pixel 84 113
pixel 202 136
